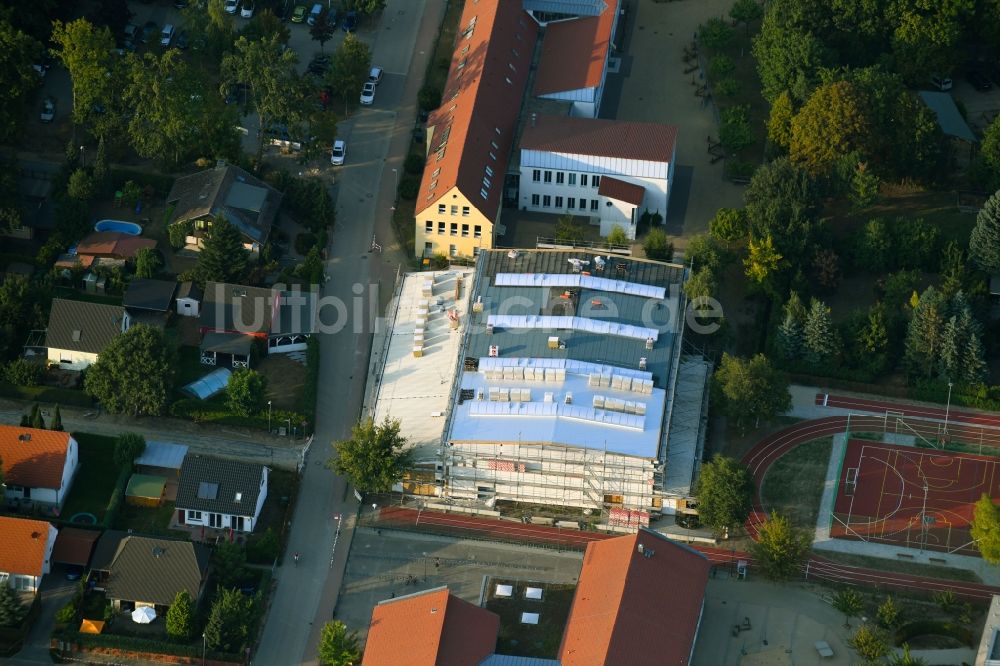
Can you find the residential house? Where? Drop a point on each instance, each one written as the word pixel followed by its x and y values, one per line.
pixel 471 135
pixel 248 203
pixel 430 628
pixel 38 465
pixel 639 601
pixel 25 552
pixel 220 493
pixel 149 301
pixel 79 331
pixel 189 299
pixel 607 171
pixel 136 571
pixel 234 317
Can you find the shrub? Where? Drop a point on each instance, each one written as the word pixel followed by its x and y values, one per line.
pixel 657 246
pixel 178 233
pixel 23 372
pixel 429 97
pixel 440 262
pixel 245 391
pixel 414 164
pixel 66 614
pixel 727 87
pixel 618 236
pixel 715 33
pixel 304 242
pixel 734 128
pixel 263 548
pixel 911 630
pixel 720 66
pixel 409 187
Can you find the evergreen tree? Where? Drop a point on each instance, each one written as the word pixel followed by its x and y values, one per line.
pixel 37 421
pixel 974 368
pixel 924 333
pixel 180 616
pixel 222 259
pixel 819 336
pixel 874 336
pixel 984 244
pixel 56 420
pixel 949 357
pixel 12 611
pixel 101 170
pixel 229 621
pixel 791 339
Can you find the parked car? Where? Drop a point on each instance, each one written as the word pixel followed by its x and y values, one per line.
pixel 942 83
pixel 299 14
pixel 350 21
pixel 148 30
pixel 338 153
pixel 368 93
pixel 166 35
pixel 688 521
pixel 978 80
pixel 314 14
pixel 375 75
pixel 182 39
pixel 231 6
pixel 48 110
pixel 246 11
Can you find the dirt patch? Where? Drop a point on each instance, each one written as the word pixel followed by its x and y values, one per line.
pixel 286 380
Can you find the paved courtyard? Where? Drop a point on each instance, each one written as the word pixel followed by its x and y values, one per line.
pixel 394 563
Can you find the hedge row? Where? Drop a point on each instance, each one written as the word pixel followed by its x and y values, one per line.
pixel 117 497
pixel 136 644
pixel 46 394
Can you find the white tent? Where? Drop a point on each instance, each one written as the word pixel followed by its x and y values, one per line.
pixel 144 615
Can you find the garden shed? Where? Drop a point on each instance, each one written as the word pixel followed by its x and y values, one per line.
pixel 145 490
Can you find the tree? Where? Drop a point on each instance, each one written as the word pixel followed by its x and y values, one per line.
pixel 229 621
pixel 568 229
pixel 864 186
pixel 870 643
pixel 337 645
pixel 715 34
pixel 873 247
pixel 56 420
pixel 925 37
pixel 128 447
pixel 322 30
pixel 788 58
pixel 134 373
pixel 86 51
pixel 12 611
pixel 873 339
pixel 374 458
pixel 922 346
pixel 101 169
pixel 729 224
pixel 848 603
pixel 429 97
pixel 762 260
pixel 349 69
pixel 269 71
pixel 230 563
pixel 700 286
pixel 657 245
pixel 751 388
pixel 37 420
pixel 746 11
pixel 147 262
pixel 791 334
pixel 780 548
pixel 826 268
pixel 81 185
pixel 831 124
pixel 222 257
pixel 246 391
pixel 725 493
pixel 781 202
pixel 617 236
pixel 904 658
pixel 369 7
pixel 819 335
pixel 23 372
pixel 734 128
pixel 888 613
pixel 985 529
pixel 180 617
pixel 17 78
pixel 984 244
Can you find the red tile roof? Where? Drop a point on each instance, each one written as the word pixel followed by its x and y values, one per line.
pixel 485 87
pixel 632 609
pixel 22 546
pixel 432 628
pixel 575 52
pixel 604 138
pixel 112 244
pixel 33 458
pixel 621 190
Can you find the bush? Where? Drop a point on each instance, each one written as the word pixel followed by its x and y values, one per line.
pixel 263 548
pixel 440 262
pixel 66 614
pixel 305 242
pixel 657 246
pixel 727 87
pixel 429 97
pixel 23 372
pixel 715 33
pixel 117 496
pixel 414 164
pixel 734 128
pixel 720 66
pixel 409 187
pixel 911 630
pixel 136 644
pixel 178 233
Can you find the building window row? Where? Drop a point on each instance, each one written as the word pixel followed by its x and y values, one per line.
pixel 571 203
pixel 444 227
pixel 443 210
pixel 564 178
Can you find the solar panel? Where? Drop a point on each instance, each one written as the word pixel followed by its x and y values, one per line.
pixel 208 491
pixel 569 280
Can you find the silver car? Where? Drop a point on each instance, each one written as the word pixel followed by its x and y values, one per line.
pixel 368 93
pixel 338 153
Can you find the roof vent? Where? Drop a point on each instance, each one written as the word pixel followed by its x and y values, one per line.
pixel 26 437
pixel 76 335
pixel 239 497
pixel 639 548
pixel 434 610
pixel 158 552
pixel 36 535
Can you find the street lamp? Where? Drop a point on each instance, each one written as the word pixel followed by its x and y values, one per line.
pixel 947 409
pixel 395 191
pixel 203 649
pixel 83 156
pixel 268 417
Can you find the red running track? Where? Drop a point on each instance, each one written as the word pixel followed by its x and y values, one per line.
pixel 921 411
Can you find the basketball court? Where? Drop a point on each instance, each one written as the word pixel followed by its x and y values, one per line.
pixel 912 497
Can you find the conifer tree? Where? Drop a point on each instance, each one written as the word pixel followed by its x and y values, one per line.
pixel 819 335
pixel 791 340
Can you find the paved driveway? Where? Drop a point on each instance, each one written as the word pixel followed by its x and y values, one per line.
pixel 56 591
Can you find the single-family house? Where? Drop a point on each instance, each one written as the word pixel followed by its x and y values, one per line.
pixel 135 571
pixel 25 552
pixel 220 493
pixel 189 299
pixel 79 331
pixel 149 301
pixel 38 465
pixel 248 203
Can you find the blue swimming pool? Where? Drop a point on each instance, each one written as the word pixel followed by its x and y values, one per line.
pixel 130 228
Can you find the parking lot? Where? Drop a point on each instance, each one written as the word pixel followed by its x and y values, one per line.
pixel 393 563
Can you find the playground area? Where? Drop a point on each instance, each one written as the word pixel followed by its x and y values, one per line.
pixel 912 497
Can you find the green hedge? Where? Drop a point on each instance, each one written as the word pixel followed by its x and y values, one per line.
pixel 935 628
pixel 214 412
pixel 52 394
pixel 136 644
pixel 159 182
pixel 117 497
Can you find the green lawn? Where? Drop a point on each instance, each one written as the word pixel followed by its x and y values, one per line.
pixel 794 484
pixel 95 477
pixel 901 566
pixel 528 640
pixel 147 520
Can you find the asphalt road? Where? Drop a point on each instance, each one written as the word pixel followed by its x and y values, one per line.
pixel 377 140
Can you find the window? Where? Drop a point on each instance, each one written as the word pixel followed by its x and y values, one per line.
pixel 583 180
pixel 65 357
pixel 559 202
pixel 493 156
pixel 548 176
pixel 484 194
pixel 489 171
pixel 593 204
pixel 572 179
pixel 428 247
pixel 497 130
pixel 454 210
pixel 559 177
pixel 428 227
pixel 477 231
pixel 583 203
pixel 495 146
pixel 465 230
pixel 571 203
pixel 453 250
pixel 536 175
pixel 194 515
pixel 465 211
pixel 535 199
pixel 475 252
pixel 595 181
pixel 441 209
pixel 546 201
pixel 440 227
pixel 454 228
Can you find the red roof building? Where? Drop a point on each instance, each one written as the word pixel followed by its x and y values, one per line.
pixel 37 464
pixel 639 602
pixel 430 628
pixel 25 552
